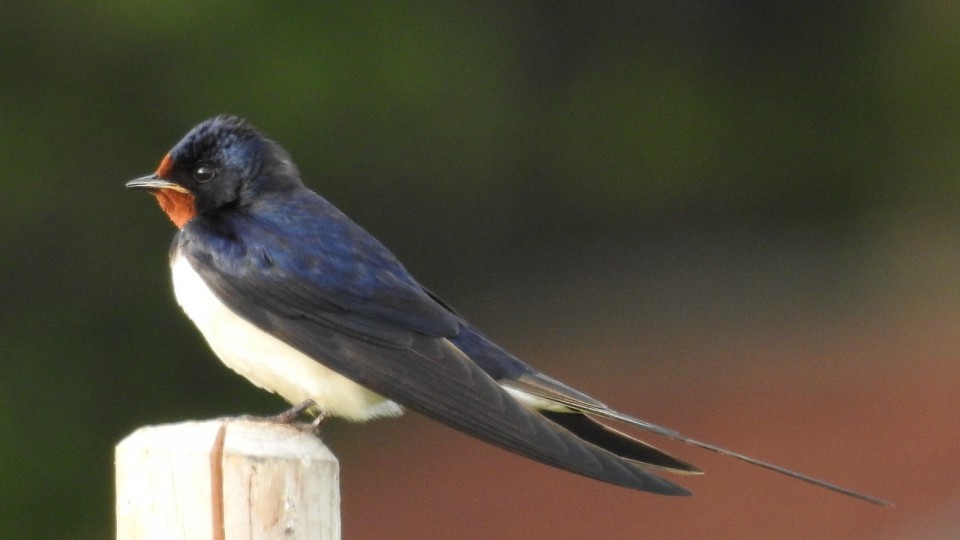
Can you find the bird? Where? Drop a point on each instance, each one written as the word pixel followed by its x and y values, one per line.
pixel 296 297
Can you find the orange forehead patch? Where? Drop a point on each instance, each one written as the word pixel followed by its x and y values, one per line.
pixel 165 165
pixel 178 206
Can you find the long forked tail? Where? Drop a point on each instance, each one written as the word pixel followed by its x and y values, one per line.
pixel 550 389
pixel 671 434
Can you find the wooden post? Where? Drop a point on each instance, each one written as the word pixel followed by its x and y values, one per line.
pixel 226 480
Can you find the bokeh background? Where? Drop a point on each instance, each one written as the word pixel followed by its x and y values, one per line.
pixel 740 220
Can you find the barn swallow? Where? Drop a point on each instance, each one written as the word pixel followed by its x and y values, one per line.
pixel 294 296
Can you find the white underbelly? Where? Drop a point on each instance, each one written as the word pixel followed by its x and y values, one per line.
pixel 268 362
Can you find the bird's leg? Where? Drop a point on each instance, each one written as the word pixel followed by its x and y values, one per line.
pixel 290 415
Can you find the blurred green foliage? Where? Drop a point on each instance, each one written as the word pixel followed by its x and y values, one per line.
pixel 467 136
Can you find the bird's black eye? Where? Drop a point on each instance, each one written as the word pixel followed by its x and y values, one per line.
pixel 204 173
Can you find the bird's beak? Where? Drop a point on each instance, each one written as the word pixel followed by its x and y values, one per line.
pixel 154 182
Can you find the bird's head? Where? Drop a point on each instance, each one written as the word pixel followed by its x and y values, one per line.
pixel 221 162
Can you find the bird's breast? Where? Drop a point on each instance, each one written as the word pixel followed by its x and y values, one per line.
pixel 267 361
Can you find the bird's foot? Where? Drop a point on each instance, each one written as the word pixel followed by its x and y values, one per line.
pixel 289 417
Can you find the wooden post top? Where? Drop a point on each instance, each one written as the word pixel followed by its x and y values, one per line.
pixel 226 479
